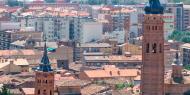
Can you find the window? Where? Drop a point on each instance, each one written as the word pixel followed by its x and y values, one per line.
pixel 154 48
pixel 50 92
pixel 44 92
pixel 38 92
pixel 155 27
pixel 160 48
pixel 152 27
pixel 39 81
pixel 147 48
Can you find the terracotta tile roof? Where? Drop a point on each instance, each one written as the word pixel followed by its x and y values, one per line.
pixel 75 82
pixel 112 72
pixel 28 91
pixel 93 89
pixel 18 52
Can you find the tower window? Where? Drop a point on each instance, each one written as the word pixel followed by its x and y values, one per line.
pixel 154 48
pixel 39 92
pixel 155 27
pixel 50 92
pixel 152 27
pixel 160 48
pixel 39 81
pixel 44 92
pixel 147 27
pixel 46 81
pixel 147 48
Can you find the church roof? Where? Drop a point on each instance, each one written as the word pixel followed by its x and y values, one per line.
pixel 45 63
pixel 154 7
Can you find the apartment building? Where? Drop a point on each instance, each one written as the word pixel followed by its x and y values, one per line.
pixel 128 60
pixel 186 20
pixel 9 25
pixel 185 50
pixel 54 28
pixel 91 48
pixel 7 37
pixel 177 9
pixel 169 24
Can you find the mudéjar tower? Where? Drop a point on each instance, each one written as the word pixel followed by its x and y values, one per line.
pixel 44 80
pixel 153 50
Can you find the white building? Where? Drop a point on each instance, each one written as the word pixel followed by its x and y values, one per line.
pixel 78 26
pixel 133 26
pixel 119 35
pixel 91 31
pixel 169 24
pixel 9 25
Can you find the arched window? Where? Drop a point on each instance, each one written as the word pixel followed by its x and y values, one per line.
pixel 154 48
pixel 46 81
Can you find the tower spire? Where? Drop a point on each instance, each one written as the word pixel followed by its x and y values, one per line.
pixel 154 7
pixel 44 80
pixel 45 63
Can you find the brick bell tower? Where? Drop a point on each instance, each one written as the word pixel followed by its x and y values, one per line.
pixel 44 80
pixel 153 50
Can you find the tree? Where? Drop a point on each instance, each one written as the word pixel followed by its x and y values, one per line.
pixel 120 86
pixel 186 39
pixel 50 1
pixel 5 91
pixel 182 36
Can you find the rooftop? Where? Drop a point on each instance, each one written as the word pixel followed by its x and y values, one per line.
pixel 93 89
pixel 115 58
pixel 100 45
pixel 111 71
pixel 18 52
pixel 75 82
pixel 186 45
pixel 28 91
pixel 19 62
